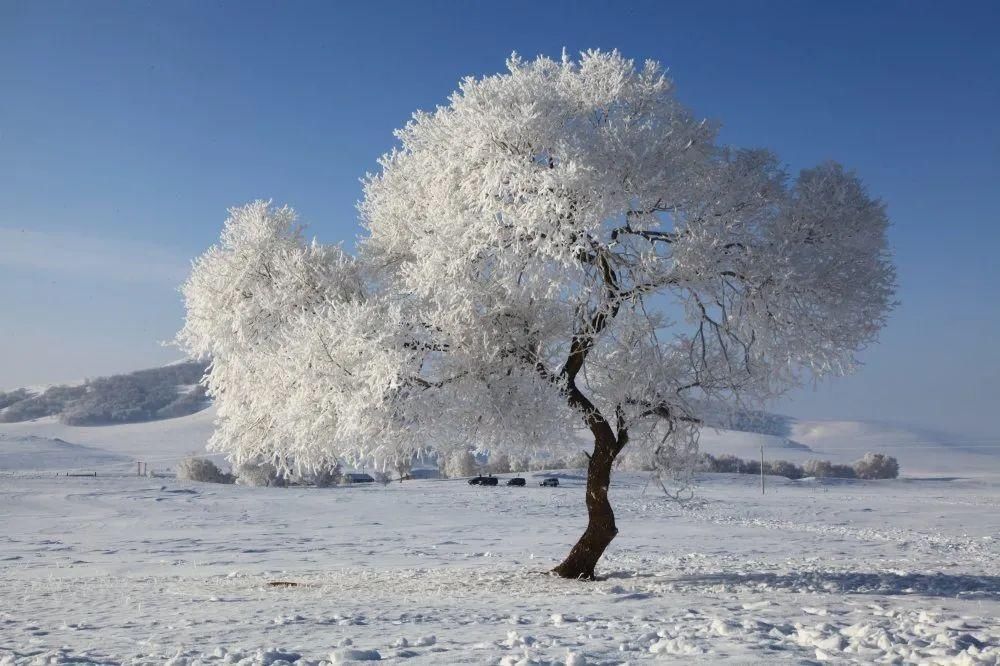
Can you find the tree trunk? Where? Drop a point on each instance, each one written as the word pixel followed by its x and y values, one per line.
pixel 601 530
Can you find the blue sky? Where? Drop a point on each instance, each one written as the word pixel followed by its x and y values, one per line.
pixel 127 129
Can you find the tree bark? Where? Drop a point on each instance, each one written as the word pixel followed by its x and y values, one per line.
pixel 601 529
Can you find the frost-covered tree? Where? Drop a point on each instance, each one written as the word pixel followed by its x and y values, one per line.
pixel 876 466
pixel 784 468
pixel 459 463
pixel 403 467
pixel 499 464
pixel 824 469
pixel 561 246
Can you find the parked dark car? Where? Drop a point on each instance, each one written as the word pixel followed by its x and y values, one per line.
pixel 483 481
pixel 551 482
pixel 516 481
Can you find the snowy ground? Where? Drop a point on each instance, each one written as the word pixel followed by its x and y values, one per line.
pixel 115 568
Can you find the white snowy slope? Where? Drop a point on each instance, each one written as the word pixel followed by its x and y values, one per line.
pixel 162 444
pixel 119 569
pixel 32 452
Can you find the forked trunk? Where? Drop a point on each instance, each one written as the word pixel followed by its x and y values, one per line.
pixel 601 530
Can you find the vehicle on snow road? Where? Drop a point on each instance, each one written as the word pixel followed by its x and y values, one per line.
pixel 483 481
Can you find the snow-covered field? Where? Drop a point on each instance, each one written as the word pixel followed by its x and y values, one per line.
pixel 121 569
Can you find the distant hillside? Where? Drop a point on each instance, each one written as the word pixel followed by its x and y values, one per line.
pixel 762 423
pixel 145 395
pixel 33 452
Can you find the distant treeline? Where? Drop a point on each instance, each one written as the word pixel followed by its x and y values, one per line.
pixel 872 466
pixel 744 420
pixel 144 395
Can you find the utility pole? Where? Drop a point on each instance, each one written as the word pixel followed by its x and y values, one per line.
pixel 761 469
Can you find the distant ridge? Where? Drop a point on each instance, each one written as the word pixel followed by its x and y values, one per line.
pixel 144 395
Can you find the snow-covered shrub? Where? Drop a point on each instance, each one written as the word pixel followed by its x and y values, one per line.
pixel 380 477
pixel 824 469
pixel 202 469
pixel 783 468
pixel 258 474
pixel 458 464
pixel 876 466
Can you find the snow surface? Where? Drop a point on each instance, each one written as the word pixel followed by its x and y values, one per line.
pixel 122 569
pixel 162 444
pixel 31 452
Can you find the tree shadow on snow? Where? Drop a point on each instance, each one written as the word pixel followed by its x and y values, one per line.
pixel 850 582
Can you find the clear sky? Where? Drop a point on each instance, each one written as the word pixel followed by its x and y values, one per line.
pixel 128 128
